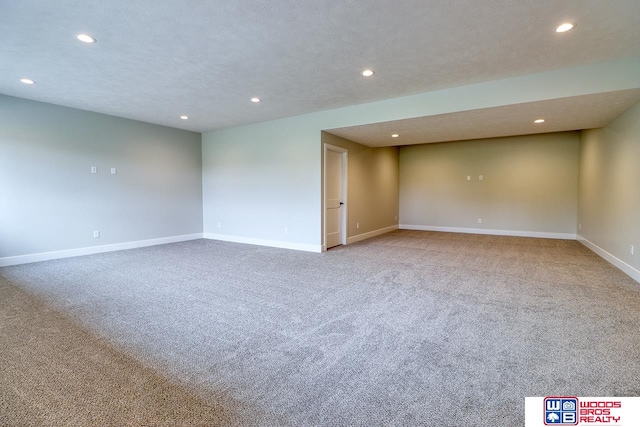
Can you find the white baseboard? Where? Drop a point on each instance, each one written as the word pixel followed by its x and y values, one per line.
pixel 264 242
pixel 617 262
pixel 517 233
pixel 68 253
pixel 370 234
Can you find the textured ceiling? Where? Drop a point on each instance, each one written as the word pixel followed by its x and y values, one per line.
pixel 563 114
pixel 157 60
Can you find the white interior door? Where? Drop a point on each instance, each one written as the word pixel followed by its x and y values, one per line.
pixel 334 198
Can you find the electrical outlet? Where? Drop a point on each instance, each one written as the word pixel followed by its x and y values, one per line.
pixel 632 249
pixel 579 226
pixel 479 220
pixel 357 225
pixel 219 225
pixel 114 171
pixel 480 178
pixel 94 169
pixel 286 230
pixel 468 177
pixel 96 234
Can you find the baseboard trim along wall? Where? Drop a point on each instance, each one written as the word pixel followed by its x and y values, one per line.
pixel 617 262
pixel 264 242
pixel 516 233
pixel 370 234
pixel 68 253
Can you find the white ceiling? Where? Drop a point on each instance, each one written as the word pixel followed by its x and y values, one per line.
pixel 157 60
pixel 562 114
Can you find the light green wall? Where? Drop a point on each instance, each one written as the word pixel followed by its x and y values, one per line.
pixel 609 207
pixel 49 200
pixel 529 184
pixel 372 185
pixel 260 179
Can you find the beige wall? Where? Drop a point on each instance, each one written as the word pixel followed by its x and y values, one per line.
pixel 609 197
pixel 530 184
pixel 372 185
pixel 260 178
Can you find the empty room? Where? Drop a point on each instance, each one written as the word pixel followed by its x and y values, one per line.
pixel 412 213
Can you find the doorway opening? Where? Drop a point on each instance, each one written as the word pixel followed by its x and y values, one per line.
pixel 335 196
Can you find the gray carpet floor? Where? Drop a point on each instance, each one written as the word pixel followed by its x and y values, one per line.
pixel 409 328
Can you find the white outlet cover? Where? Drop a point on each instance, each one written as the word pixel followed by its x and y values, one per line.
pixel 468 177
pixel 114 171
pixel 94 169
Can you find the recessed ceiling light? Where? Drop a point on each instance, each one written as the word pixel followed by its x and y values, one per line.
pixel 539 121
pixel 184 117
pixel 85 38
pixel 27 81
pixel 564 27
pixel 256 99
pixel 368 73
pixel 395 135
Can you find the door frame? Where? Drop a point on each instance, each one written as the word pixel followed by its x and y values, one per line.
pixel 343 220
